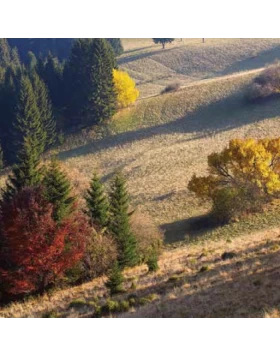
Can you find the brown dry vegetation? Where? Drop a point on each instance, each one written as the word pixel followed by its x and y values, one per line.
pixel 191 60
pixel 193 281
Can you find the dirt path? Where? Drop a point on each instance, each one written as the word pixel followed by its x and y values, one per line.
pixel 213 79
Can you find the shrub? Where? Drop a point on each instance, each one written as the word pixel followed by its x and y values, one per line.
pixel 149 237
pixel 36 250
pixel 115 280
pixel 266 84
pixel 243 177
pixel 152 262
pixel 173 87
pixel 101 253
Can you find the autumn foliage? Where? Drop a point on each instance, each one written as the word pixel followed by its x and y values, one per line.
pixel 125 88
pixel 242 177
pixel 35 250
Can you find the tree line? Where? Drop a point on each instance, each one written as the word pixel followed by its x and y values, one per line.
pixel 84 90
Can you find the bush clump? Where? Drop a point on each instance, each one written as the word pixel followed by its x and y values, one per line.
pixel 266 84
pixel 173 87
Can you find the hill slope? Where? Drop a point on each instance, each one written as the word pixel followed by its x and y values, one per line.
pixel 193 281
pixel 190 60
pixel 161 141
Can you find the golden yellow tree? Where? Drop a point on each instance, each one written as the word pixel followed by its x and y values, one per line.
pixel 241 178
pixel 125 88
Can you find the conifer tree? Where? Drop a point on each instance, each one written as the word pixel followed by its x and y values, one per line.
pixel 119 223
pixel 25 173
pixel 115 280
pixel 116 44
pixel 5 53
pixel 28 141
pixel 45 109
pixel 89 79
pixel 97 203
pixel 31 62
pixel 28 123
pixel 58 191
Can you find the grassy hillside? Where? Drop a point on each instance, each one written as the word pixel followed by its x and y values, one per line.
pixel 193 281
pixel 190 60
pixel 161 141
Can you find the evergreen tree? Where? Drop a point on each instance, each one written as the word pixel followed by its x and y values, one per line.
pixel 15 57
pixel 115 280
pixel 52 72
pixel 25 173
pixel 58 191
pixel 97 203
pixel 119 223
pixel 31 62
pixel 116 44
pixel 152 261
pixel 5 53
pixel 28 123
pixel 45 109
pixel 89 79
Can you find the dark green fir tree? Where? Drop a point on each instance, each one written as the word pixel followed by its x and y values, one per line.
pixel 115 280
pixel 88 77
pixel 45 109
pixel 120 224
pixel 58 190
pixel 97 203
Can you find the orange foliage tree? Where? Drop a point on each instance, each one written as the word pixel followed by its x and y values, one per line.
pixel 241 178
pixel 35 250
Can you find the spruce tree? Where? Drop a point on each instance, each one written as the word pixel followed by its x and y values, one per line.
pixel 25 173
pixel 5 53
pixel 97 203
pixel 1 158
pixel 88 78
pixel 45 109
pixel 116 44
pixel 119 223
pixel 58 191
pixel 28 123
pixel 115 280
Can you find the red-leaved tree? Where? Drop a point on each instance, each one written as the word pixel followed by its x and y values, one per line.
pixel 35 250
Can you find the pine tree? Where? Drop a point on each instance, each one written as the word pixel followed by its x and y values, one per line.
pixel 163 41
pixel 28 141
pixel 115 280
pixel 58 191
pixel 5 53
pixel 116 44
pixel 119 223
pixel 97 203
pixel 88 77
pixel 31 62
pixel 45 109
pixel 28 123
pixel 25 173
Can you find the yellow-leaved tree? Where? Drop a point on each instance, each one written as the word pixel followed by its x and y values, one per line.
pixel 242 178
pixel 127 93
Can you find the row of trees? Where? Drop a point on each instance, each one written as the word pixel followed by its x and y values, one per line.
pixel 87 89
pixel 47 238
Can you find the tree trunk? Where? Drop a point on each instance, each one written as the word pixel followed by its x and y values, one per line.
pixel 163 46
pixel 203 40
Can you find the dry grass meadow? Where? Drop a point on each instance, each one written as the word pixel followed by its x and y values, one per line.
pixel 158 143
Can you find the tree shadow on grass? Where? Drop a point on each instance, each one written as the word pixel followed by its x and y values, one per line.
pixel 188 229
pixel 243 287
pixel 220 116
